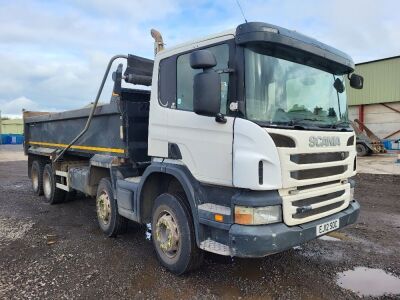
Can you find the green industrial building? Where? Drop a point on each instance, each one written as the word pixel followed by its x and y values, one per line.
pixel 377 105
pixel 11 126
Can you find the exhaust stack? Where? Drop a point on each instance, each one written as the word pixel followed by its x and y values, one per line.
pixel 158 41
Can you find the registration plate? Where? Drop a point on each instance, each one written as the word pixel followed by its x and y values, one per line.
pixel 327 227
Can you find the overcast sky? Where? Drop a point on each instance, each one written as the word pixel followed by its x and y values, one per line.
pixel 53 53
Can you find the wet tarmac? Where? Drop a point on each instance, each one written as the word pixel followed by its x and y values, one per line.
pixel 58 252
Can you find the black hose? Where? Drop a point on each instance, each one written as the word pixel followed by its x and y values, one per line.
pixel 93 107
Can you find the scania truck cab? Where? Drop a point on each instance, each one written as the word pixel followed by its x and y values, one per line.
pixel 249 151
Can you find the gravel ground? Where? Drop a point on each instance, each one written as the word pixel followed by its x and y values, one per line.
pixel 59 252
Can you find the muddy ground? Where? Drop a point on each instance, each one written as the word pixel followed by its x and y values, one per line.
pixel 59 252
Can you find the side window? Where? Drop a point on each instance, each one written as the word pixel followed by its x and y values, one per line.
pixel 185 74
pixel 167 81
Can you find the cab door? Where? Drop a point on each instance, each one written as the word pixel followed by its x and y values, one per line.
pixel 204 145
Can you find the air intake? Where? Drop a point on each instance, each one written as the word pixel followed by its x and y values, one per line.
pixel 282 141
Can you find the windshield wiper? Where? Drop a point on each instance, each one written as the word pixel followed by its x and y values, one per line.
pixel 335 125
pixel 295 122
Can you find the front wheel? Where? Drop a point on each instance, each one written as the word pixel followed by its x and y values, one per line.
pixel 110 221
pixel 173 235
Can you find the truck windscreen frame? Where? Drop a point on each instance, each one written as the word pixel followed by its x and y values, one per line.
pixel 280 92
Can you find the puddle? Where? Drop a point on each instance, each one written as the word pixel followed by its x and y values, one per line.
pixel 369 282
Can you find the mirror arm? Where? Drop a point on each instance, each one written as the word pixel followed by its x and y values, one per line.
pixel 242 107
pixel 220 118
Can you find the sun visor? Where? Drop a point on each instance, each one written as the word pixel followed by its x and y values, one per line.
pixel 291 45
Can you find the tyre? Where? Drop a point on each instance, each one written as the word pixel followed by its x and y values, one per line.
pixel 37 176
pixel 110 221
pixel 52 194
pixel 362 150
pixel 173 235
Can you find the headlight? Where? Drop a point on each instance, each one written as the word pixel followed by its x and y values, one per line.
pixel 258 215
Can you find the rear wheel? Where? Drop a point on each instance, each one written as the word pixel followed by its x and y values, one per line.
pixel 37 176
pixel 173 235
pixel 362 150
pixel 110 221
pixel 52 194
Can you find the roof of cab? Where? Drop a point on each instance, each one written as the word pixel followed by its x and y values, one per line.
pixel 177 48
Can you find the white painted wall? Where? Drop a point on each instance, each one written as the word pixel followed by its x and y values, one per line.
pixel 380 119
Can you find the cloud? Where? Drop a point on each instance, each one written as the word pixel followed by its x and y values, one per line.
pixel 365 29
pixel 14 107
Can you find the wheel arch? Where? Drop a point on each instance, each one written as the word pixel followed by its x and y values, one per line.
pixel 157 179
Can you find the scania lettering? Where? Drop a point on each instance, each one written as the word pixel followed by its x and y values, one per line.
pixel 324 141
pixel 240 147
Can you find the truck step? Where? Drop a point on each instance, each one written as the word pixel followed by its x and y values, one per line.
pixel 65 186
pixel 215 247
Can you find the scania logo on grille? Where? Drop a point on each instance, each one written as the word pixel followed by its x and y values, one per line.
pixel 323 141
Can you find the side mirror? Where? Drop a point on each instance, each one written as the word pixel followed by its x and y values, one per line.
pixel 202 59
pixel 206 85
pixel 356 81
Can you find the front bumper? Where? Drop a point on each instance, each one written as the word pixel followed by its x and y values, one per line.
pixel 259 241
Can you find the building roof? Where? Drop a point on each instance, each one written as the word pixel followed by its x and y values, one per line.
pixel 381 82
pixel 377 60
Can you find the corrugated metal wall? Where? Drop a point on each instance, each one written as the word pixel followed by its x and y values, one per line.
pixel 381 82
pixel 380 119
pixel 14 126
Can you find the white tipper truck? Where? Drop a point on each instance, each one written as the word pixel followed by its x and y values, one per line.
pixel 242 147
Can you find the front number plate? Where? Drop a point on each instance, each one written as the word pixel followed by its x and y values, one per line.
pixel 327 227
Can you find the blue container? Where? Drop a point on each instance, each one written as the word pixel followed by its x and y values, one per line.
pixel 387 144
pixel 12 139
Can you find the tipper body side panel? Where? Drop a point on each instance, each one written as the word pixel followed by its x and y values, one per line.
pixel 119 128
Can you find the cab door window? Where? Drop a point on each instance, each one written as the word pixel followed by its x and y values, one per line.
pixel 185 75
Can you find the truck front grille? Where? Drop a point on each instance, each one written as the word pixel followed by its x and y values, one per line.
pixel 318 172
pixel 317 199
pixel 315 203
pixel 313 158
pixel 316 211
pixel 313 177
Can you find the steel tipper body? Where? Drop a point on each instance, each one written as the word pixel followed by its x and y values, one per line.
pixel 249 151
pixel 108 134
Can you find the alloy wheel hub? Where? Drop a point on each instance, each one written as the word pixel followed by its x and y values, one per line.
pixel 167 234
pixel 104 208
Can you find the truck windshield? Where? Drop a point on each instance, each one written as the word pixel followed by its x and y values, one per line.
pixel 281 92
